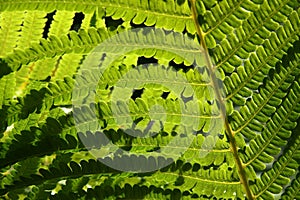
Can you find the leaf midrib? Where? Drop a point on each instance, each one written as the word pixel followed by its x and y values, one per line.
pixel 229 133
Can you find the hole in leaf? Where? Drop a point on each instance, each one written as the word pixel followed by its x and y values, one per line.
pixel 142 25
pixel 220 136
pixel 180 66
pixel 48 23
pixel 143 60
pixel 154 149
pixel 4 68
pixel 165 95
pixel 113 24
pixel 137 94
pixel 77 21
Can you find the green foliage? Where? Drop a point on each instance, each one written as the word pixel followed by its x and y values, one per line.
pixel 252 47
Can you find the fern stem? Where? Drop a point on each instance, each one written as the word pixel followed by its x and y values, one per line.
pixel 229 132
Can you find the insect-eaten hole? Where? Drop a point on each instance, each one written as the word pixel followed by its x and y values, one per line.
pixel 50 18
pixel 77 21
pixel 137 93
pixel 181 66
pixel 143 60
pixel 142 25
pixel 165 95
pixel 113 24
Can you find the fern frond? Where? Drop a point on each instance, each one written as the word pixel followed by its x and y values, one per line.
pixel 7 84
pixel 57 93
pixel 280 126
pixel 40 134
pixel 32 29
pixel 66 66
pixel 61 24
pixel 257 115
pixel 85 42
pixel 273 180
pixel 195 178
pixel 74 85
pixel 292 191
pixel 168 14
pixel 10 26
pixel 246 79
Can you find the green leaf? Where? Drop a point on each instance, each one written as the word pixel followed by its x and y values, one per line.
pixel 206 94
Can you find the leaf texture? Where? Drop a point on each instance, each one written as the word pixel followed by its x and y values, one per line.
pixel 77 74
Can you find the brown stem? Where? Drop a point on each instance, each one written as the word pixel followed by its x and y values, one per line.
pixel 229 132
